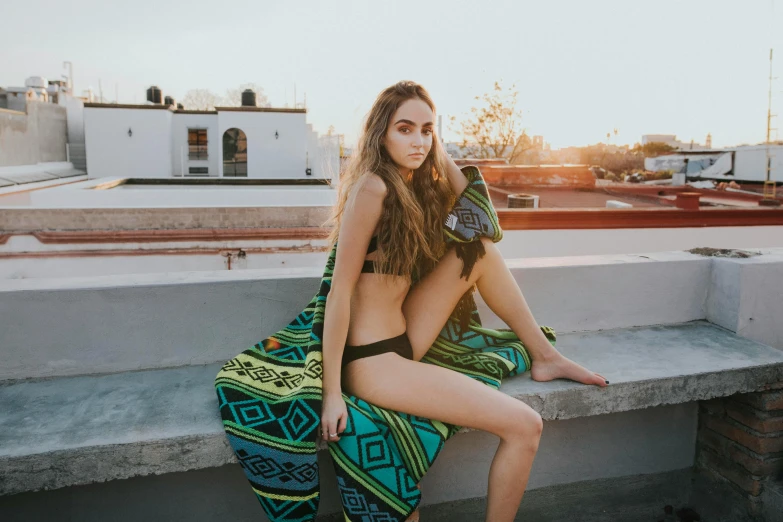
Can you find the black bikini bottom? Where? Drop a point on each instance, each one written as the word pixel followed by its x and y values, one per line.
pixel 400 344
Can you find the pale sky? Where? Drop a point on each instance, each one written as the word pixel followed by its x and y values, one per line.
pixel 582 68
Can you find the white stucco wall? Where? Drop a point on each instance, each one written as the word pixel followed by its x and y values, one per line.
pixel 180 123
pixel 750 163
pixel 111 152
pixel 74 108
pixel 268 157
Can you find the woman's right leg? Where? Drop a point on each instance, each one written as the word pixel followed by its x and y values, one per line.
pixel 429 391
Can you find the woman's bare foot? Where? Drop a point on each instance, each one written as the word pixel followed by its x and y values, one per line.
pixel 561 367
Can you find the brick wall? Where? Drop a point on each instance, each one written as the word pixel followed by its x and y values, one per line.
pixel 740 441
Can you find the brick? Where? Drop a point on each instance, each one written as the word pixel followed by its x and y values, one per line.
pixel 728 470
pixel 761 421
pixel 765 401
pixel 743 435
pixel 762 466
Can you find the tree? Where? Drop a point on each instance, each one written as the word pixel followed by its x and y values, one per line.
pixel 654 148
pixel 494 128
pixel 233 97
pixel 200 100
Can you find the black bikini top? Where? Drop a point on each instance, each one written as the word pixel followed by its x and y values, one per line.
pixel 367 267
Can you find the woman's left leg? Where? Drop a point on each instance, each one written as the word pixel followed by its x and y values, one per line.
pixel 432 299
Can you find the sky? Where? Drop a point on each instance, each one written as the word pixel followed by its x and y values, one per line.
pixel 582 68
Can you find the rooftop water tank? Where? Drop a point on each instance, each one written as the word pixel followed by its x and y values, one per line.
pixel 170 100
pixel 154 94
pixel 36 82
pixel 248 98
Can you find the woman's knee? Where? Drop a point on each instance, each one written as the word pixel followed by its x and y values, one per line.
pixel 526 426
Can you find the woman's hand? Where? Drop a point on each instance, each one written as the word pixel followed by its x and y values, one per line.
pixel 334 416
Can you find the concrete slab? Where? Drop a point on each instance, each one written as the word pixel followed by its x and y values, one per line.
pixel 650 366
pixel 78 430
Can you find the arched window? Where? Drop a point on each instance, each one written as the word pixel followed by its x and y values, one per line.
pixel 234 153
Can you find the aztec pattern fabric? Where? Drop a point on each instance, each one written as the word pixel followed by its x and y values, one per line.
pixel 270 402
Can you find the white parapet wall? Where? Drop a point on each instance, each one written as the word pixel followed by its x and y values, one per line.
pixel 132 322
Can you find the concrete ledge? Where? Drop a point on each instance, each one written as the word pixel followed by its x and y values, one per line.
pixel 79 430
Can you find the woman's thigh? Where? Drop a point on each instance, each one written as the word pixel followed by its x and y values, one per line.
pixel 431 300
pixel 425 390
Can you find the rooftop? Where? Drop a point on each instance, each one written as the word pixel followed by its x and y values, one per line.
pixel 102 398
pixel 173 108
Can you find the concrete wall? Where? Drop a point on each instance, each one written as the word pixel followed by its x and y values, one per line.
pixel 268 157
pixel 111 152
pixel 38 136
pixel 119 323
pixel 745 297
pixel 180 123
pixel 135 196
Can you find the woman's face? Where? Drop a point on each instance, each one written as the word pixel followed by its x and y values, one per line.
pixel 408 138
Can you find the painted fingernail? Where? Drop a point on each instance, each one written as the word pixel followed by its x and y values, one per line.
pixel 607 382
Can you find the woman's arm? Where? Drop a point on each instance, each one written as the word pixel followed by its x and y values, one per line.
pixel 457 179
pixel 360 218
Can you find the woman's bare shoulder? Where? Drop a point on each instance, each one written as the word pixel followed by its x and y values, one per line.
pixel 372 184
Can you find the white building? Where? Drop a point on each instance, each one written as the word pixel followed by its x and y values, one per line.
pixel 158 140
pixel 744 163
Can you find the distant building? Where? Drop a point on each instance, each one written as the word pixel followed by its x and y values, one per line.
pixel 671 140
pixel 161 140
pixel 743 163
pixel 42 123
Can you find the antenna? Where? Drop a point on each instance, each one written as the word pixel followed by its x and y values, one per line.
pixel 769 185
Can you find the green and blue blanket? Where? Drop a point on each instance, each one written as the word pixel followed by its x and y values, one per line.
pixel 270 398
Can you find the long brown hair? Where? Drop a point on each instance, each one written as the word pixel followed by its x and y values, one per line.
pixel 409 236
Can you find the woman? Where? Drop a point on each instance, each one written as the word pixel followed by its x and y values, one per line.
pixel 393 282
pixel 380 198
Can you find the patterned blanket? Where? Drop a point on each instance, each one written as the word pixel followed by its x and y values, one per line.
pixel 270 399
